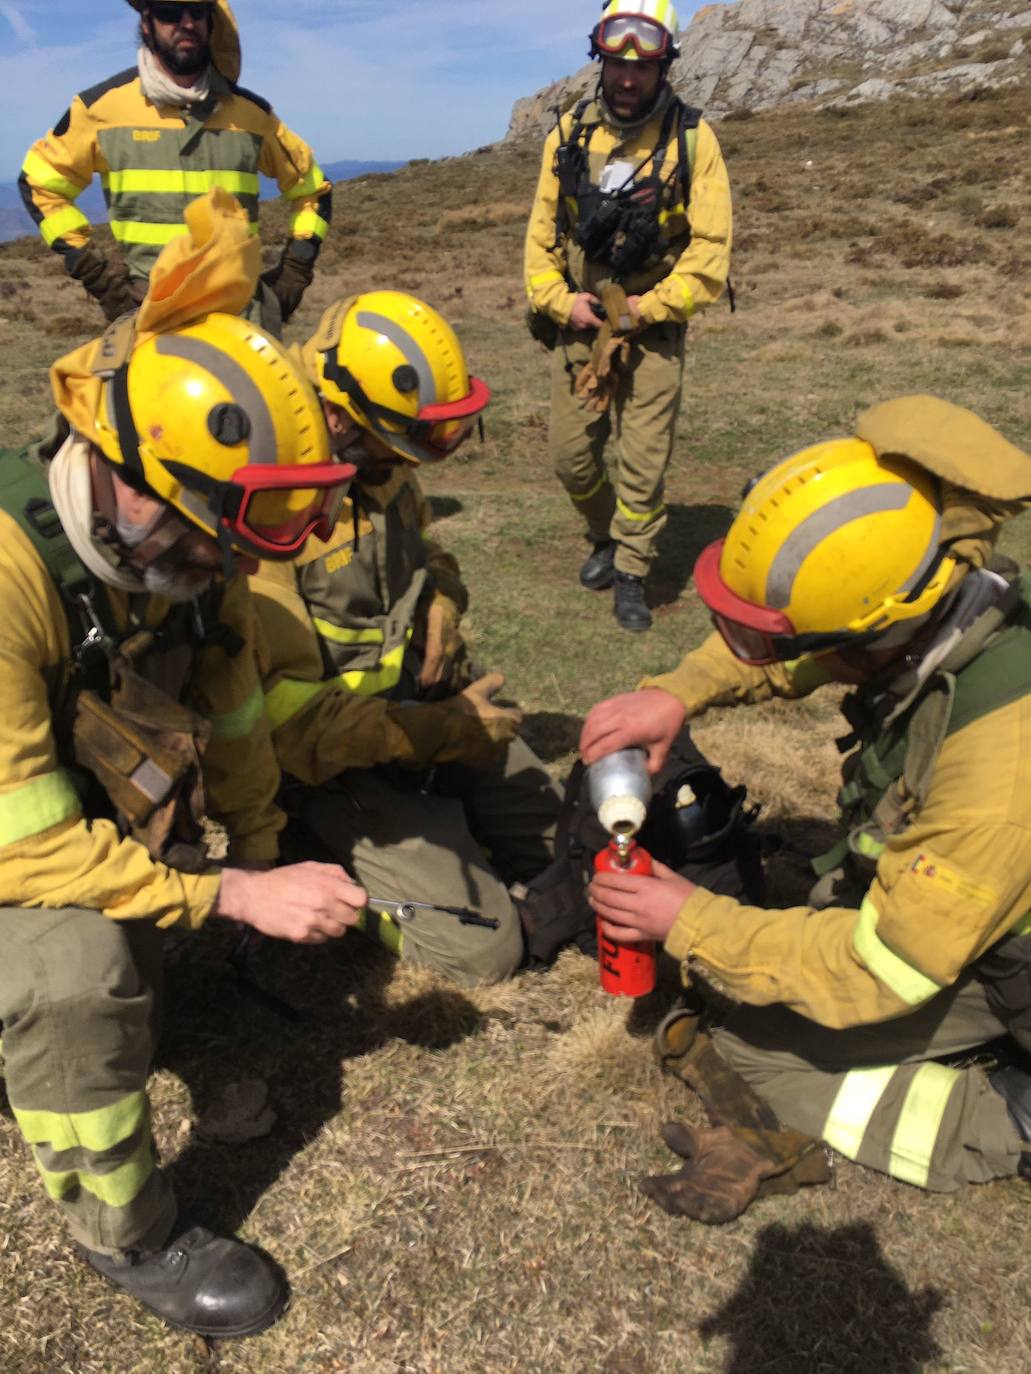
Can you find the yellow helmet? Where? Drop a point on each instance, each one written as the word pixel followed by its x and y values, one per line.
pixel 396 366
pixel 832 547
pixel 216 420
pixel 637 30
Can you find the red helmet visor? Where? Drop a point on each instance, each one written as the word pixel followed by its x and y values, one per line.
pixel 276 515
pixel 615 35
pixel 755 634
pixel 440 428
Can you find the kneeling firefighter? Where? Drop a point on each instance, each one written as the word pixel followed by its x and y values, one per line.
pixel 403 767
pixel 130 711
pixel 867 560
pixel 629 235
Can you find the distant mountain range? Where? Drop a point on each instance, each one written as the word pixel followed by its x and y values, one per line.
pixel 14 221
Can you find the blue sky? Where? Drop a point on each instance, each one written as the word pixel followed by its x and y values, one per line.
pixel 357 78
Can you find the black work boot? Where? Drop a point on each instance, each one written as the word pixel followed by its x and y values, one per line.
pixel 209 1284
pixel 630 607
pixel 598 569
pixel 1014 1087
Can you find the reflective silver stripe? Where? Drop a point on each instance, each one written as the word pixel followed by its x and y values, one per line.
pixel 815 528
pixel 261 447
pixel 405 344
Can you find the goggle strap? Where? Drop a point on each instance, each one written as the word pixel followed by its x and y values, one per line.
pixel 344 380
pixel 125 425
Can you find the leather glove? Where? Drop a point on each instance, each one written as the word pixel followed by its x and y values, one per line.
pixel 467 728
pixel 686 1051
pixel 598 378
pixel 292 275
pixel 108 283
pixel 728 1167
pixel 443 642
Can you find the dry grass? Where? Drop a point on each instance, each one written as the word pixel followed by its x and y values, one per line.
pixel 451 1183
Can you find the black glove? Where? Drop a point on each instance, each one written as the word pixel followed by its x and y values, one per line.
pixel 108 283
pixel 292 275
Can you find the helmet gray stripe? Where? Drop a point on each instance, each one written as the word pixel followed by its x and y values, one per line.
pixel 261 446
pixel 404 342
pixel 854 505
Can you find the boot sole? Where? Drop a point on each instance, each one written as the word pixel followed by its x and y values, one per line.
pixel 602 586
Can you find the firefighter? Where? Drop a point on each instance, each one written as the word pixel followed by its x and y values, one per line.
pixel 161 133
pixel 629 235
pixel 131 710
pixel 405 769
pixel 868 560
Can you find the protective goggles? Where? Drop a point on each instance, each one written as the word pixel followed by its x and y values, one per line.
pixel 265 511
pixel 757 635
pixel 440 428
pixel 170 11
pixel 612 37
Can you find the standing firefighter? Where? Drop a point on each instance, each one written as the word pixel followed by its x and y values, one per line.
pixel 406 769
pixel 160 134
pixel 868 560
pixel 628 237
pixel 130 709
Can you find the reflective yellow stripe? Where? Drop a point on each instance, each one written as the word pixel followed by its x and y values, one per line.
pixel 679 209
pixel 850 1114
pixel 46 178
pixel 180 182
pixel 288 697
pixel 313 182
pixel 37 805
pixel 625 510
pixel 919 1122
pixel 541 277
pixel 905 981
pixel 593 491
pixel 95 1130
pixel 138 231
pixel 869 847
pixel 381 926
pixel 339 635
pixel 308 223
pixel 368 682
pixel 116 1189
pixel 236 724
pixel 68 221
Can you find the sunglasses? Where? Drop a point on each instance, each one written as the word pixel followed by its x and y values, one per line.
pixel 170 11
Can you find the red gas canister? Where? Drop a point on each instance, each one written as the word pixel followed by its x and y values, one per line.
pixel 626 970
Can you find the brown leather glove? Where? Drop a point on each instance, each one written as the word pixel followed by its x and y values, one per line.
pixel 467 728
pixel 443 643
pixel 107 282
pixel 686 1051
pixel 729 1167
pixel 292 275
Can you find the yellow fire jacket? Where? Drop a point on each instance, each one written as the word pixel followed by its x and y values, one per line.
pixel 153 160
pixel 690 275
pixel 337 627
pixel 51 854
pixel 946 888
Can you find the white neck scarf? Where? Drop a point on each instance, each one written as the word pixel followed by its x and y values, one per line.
pixel 71 490
pixel 160 89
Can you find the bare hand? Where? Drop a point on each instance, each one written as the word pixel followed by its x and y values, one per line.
pixel 634 306
pixel 633 907
pixel 476 700
pixel 308 903
pixel 434 657
pixel 582 316
pixel 651 719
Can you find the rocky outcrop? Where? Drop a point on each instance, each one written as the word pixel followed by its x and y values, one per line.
pixel 758 53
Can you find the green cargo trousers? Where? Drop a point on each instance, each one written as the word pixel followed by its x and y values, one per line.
pixel 623 502
pixel 78 1002
pixel 459 835
pixel 874 1094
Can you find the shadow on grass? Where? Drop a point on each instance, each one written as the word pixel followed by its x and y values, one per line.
pixel 215 1034
pixel 688 530
pixel 825 1302
pixel 443 506
pixel 551 734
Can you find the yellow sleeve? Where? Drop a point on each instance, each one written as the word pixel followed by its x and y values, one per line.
pixel 50 856
pixel 701 272
pixel 544 262
pixel 319 728
pixel 241 775
pixel 711 676
pixel 946 889
pixel 300 178
pixel 56 171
